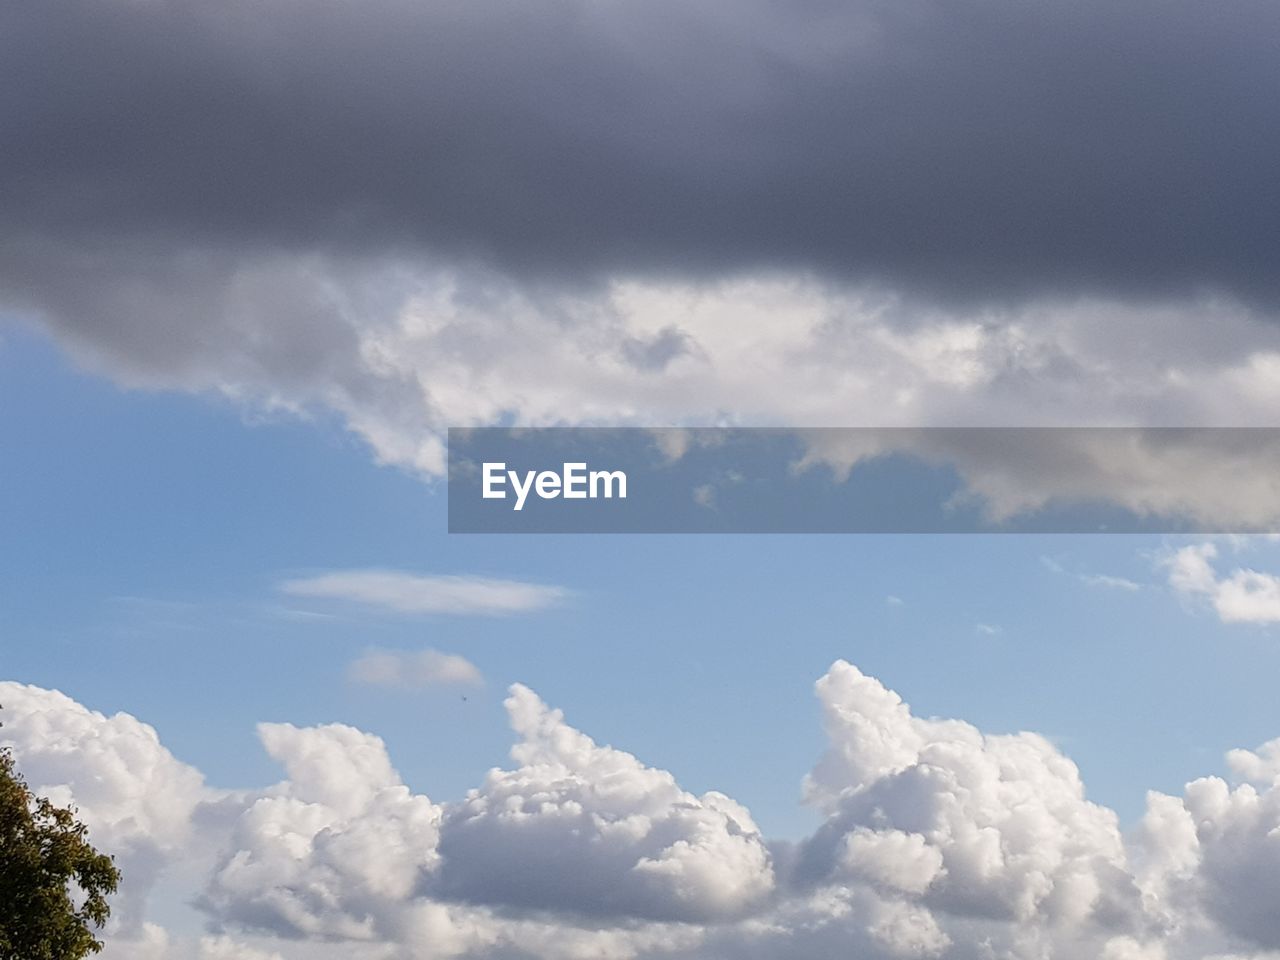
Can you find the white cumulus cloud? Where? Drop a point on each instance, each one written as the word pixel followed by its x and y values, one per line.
pixel 139 802
pixel 939 841
pixel 330 851
pixel 977 825
pixel 1243 596
pixel 591 825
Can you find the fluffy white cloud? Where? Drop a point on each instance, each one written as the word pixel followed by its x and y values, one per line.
pixel 341 850
pixel 1260 766
pixel 1216 858
pixel 592 826
pixel 1244 596
pixel 1226 839
pixel 139 802
pixel 128 787
pixel 400 592
pixel 413 670
pixel 940 841
pixel 893 859
pixel 975 825
pixel 329 852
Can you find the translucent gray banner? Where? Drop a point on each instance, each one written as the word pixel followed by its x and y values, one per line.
pixel 864 480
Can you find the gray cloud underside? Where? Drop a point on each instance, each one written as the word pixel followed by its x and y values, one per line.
pixel 972 150
pixel 417 215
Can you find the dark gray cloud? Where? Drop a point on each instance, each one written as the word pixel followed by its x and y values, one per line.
pixel 976 149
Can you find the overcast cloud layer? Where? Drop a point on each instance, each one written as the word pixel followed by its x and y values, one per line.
pixel 981 149
pixel 939 841
pixel 419 215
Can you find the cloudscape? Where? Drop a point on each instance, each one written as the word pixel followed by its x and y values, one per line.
pixel 421 215
pixel 937 840
pixel 291 290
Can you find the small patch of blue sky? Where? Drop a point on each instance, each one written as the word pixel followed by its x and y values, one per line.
pixel 144 539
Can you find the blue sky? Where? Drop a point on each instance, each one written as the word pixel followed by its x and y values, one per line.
pixel 146 536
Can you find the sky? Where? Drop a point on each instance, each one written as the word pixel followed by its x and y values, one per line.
pixel 197 566
pixel 257 258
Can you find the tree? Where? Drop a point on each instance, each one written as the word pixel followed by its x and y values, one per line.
pixel 53 884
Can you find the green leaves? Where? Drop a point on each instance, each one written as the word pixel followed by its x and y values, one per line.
pixel 53 884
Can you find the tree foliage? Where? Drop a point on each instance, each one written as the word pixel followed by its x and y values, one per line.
pixel 53 884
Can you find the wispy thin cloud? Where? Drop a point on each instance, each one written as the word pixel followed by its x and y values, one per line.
pixel 1104 581
pixel 1109 582
pixel 298 615
pixel 413 670
pixel 407 593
